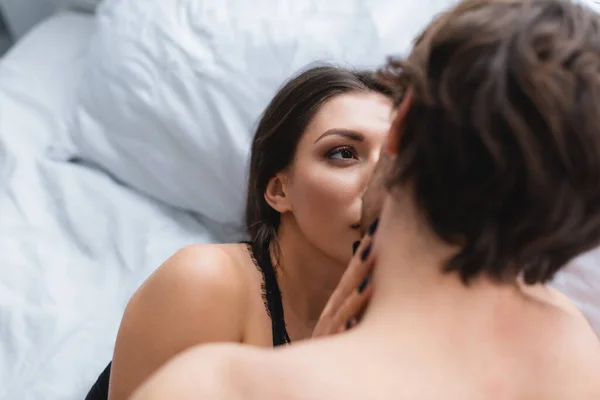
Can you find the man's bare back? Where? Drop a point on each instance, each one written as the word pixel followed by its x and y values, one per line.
pixel 526 360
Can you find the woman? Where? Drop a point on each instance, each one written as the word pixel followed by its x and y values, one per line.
pixel 313 152
pixel 493 186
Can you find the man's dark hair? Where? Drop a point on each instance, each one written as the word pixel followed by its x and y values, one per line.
pixel 501 146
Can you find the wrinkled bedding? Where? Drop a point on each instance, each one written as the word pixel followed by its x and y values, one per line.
pixel 74 244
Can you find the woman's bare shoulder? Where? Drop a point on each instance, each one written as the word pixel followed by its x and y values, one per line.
pixel 196 296
pixel 199 280
pixel 195 269
pixel 208 265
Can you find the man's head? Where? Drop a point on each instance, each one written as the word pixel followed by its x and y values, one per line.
pixel 500 146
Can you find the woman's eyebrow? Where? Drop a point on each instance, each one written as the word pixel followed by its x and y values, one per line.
pixel 352 135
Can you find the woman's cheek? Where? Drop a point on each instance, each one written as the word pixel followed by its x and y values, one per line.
pixel 330 197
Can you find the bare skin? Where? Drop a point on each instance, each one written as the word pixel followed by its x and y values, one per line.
pixel 439 338
pixel 212 293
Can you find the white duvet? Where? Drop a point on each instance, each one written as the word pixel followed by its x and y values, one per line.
pixel 74 244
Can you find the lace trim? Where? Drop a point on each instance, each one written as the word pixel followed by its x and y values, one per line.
pixel 279 327
pixel 263 285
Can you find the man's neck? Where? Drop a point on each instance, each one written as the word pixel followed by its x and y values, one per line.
pixel 307 278
pixel 409 282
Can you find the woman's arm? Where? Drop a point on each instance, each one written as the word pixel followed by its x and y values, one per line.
pixel 197 296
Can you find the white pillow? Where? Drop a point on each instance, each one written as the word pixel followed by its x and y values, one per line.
pixel 174 89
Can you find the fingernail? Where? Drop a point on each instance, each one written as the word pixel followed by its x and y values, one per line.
pixel 355 246
pixel 351 323
pixel 373 227
pixel 363 285
pixel 365 253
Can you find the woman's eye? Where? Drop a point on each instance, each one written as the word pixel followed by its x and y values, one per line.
pixel 342 153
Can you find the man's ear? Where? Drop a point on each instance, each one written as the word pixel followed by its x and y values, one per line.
pixel 276 194
pixel 393 140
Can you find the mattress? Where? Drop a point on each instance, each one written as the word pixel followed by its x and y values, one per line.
pixel 74 244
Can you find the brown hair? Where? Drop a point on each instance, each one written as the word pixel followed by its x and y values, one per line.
pixel 277 135
pixel 501 146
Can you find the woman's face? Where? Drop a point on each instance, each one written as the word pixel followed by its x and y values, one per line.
pixel 333 163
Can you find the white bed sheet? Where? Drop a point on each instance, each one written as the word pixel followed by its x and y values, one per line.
pixel 74 244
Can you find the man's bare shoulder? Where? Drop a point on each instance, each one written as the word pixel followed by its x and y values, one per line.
pixel 571 351
pixel 570 370
pixel 214 371
pixel 577 364
pixel 235 371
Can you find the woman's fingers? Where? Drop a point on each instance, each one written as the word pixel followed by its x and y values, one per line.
pixel 353 291
pixel 347 306
pixel 358 269
pixel 350 312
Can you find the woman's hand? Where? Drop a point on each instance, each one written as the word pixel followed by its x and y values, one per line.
pixel 348 301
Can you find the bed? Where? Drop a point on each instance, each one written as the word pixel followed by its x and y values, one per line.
pixel 81 226
pixel 74 244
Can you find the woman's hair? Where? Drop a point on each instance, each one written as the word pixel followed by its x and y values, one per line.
pixel 501 146
pixel 278 133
